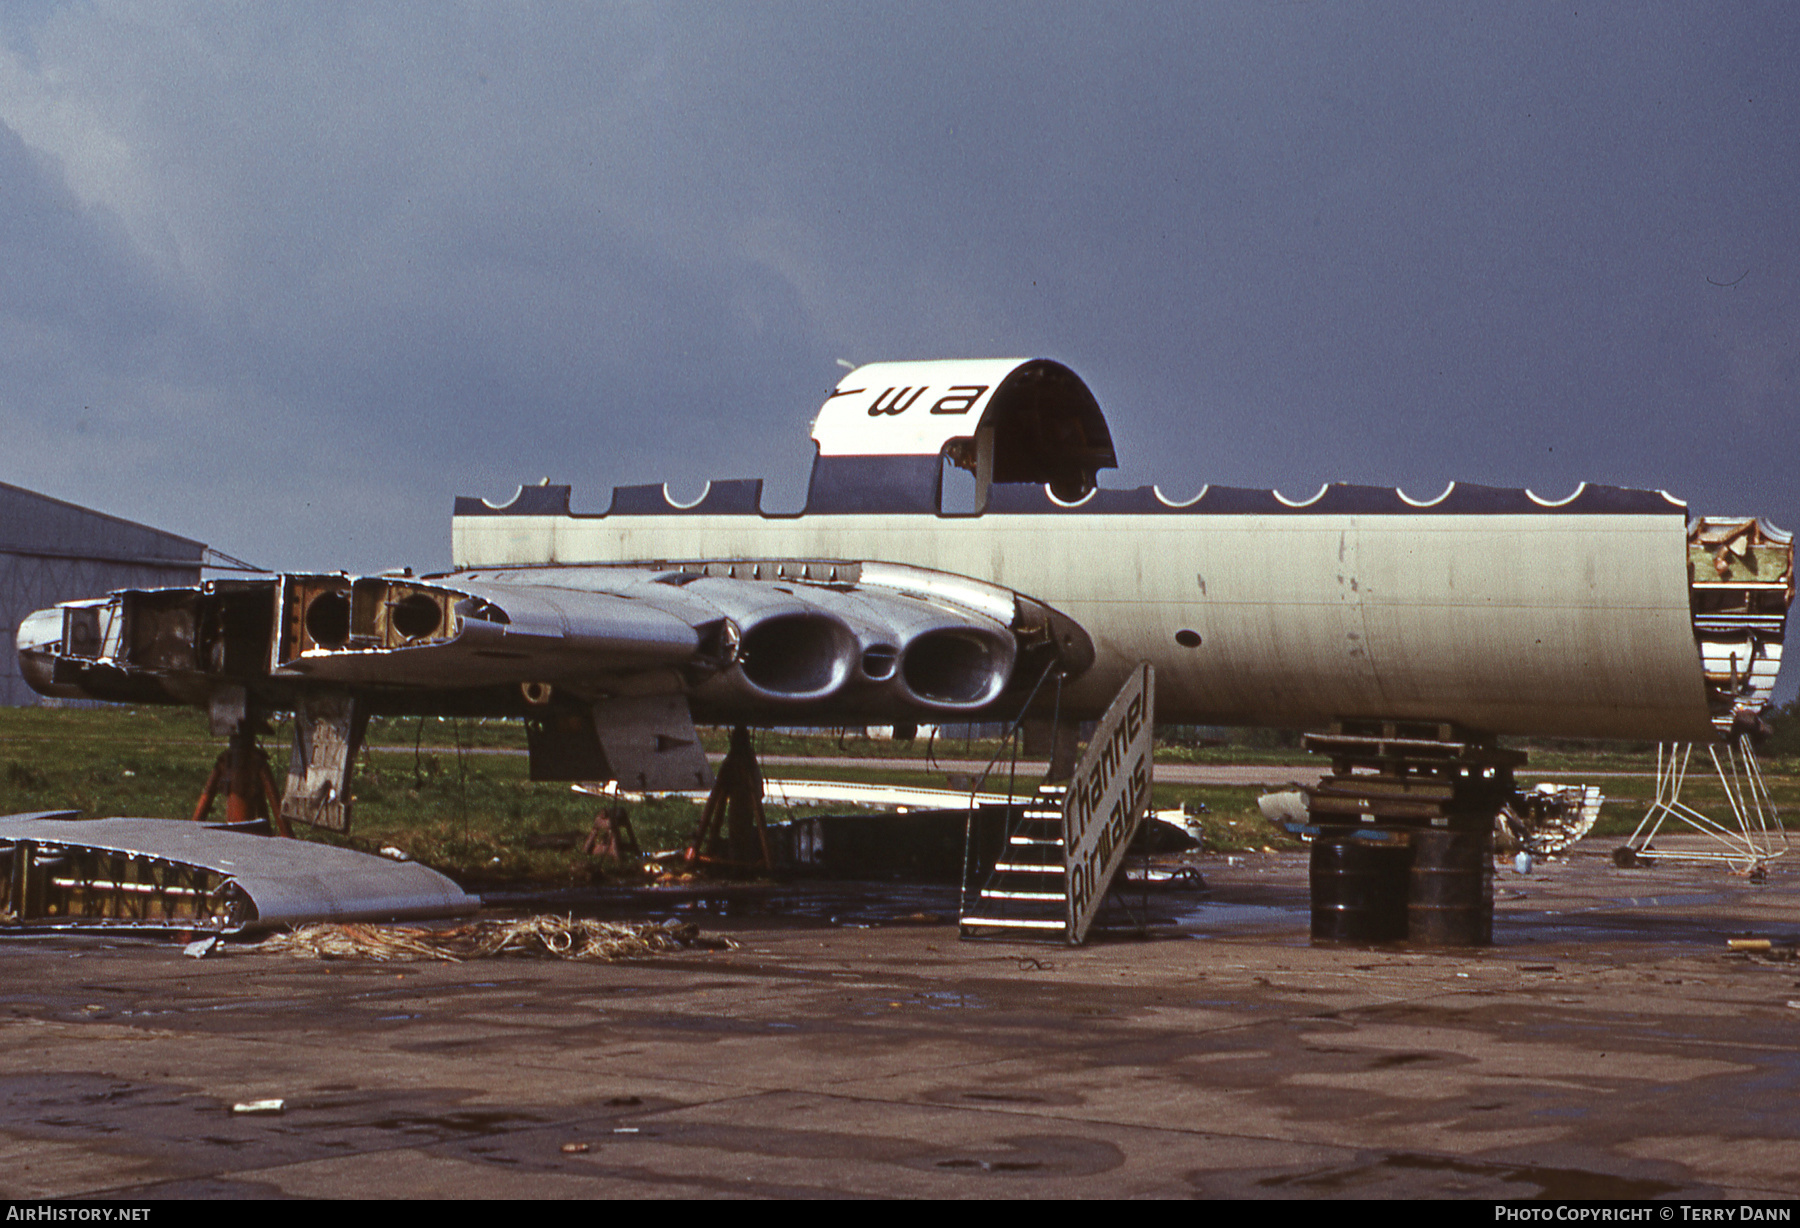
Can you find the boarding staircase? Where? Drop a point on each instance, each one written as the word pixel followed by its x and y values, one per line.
pixel 1028 890
pixel 1062 851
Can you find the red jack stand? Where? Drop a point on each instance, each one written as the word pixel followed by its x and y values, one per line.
pixel 243 769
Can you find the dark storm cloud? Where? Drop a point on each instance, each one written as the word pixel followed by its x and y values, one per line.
pixel 402 266
pixel 71 281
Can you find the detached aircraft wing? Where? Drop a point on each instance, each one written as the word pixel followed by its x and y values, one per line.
pixel 893 599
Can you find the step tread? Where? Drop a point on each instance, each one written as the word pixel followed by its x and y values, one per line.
pixel 1014 923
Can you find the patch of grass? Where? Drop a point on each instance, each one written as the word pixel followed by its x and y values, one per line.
pixel 475 816
pixel 1231 821
pixel 106 761
pixel 481 819
pixel 455 794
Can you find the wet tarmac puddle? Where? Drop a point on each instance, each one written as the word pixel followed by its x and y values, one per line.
pixel 1486 1180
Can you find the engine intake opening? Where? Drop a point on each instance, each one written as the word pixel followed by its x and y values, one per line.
pixel 416 616
pixel 328 620
pixel 954 667
pixel 796 655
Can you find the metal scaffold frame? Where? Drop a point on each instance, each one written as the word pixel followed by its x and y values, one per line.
pixel 1746 842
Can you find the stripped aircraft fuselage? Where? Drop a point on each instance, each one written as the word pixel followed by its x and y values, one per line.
pixel 1609 613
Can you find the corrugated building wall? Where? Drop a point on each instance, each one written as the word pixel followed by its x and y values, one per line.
pixel 52 551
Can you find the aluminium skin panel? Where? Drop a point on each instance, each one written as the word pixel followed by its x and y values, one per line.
pixel 1551 624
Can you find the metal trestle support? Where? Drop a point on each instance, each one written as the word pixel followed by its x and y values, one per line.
pixel 1746 840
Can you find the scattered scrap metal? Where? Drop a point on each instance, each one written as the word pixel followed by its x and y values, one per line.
pixel 1548 819
pixel 542 937
pixel 1769 949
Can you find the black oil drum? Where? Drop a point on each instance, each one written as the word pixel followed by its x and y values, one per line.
pixel 1358 887
pixel 1452 884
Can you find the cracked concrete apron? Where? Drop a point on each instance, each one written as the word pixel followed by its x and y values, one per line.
pixel 1607 1046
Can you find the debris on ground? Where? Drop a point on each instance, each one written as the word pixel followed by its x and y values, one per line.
pixel 543 936
pixel 1774 951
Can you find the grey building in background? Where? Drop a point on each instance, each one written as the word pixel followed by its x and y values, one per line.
pixel 52 551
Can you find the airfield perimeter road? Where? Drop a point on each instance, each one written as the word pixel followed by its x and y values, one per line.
pixel 1236 774
pixel 1608 1046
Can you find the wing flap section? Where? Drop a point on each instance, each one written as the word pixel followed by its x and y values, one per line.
pixel 645 742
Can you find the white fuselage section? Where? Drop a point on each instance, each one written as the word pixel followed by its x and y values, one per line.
pixel 1561 624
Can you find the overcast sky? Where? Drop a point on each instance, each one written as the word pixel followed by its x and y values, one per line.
pixel 286 279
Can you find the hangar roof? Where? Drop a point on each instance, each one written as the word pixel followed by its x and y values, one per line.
pixel 36 524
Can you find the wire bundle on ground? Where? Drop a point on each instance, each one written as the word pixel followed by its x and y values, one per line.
pixel 544 937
